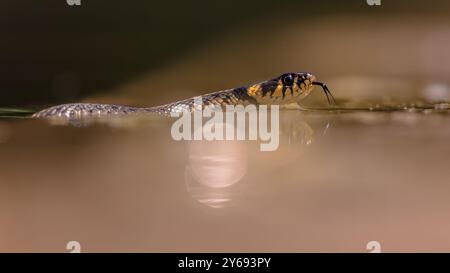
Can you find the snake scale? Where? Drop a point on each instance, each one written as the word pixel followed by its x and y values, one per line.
pixel 284 89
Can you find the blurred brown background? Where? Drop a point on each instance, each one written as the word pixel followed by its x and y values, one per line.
pixel 51 52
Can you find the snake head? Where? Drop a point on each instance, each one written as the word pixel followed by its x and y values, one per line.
pixel 289 87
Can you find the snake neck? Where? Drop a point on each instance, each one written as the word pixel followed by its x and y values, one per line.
pixel 236 96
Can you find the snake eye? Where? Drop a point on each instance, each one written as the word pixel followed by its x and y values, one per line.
pixel 288 79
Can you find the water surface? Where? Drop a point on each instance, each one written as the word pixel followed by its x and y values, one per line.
pixel 338 180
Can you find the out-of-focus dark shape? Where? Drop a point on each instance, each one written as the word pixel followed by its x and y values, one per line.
pixel 101 45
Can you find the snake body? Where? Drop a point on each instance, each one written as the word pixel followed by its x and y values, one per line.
pixel 287 88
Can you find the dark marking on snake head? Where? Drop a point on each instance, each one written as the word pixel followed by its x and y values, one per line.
pixel 288 79
pixel 269 87
pixel 284 90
